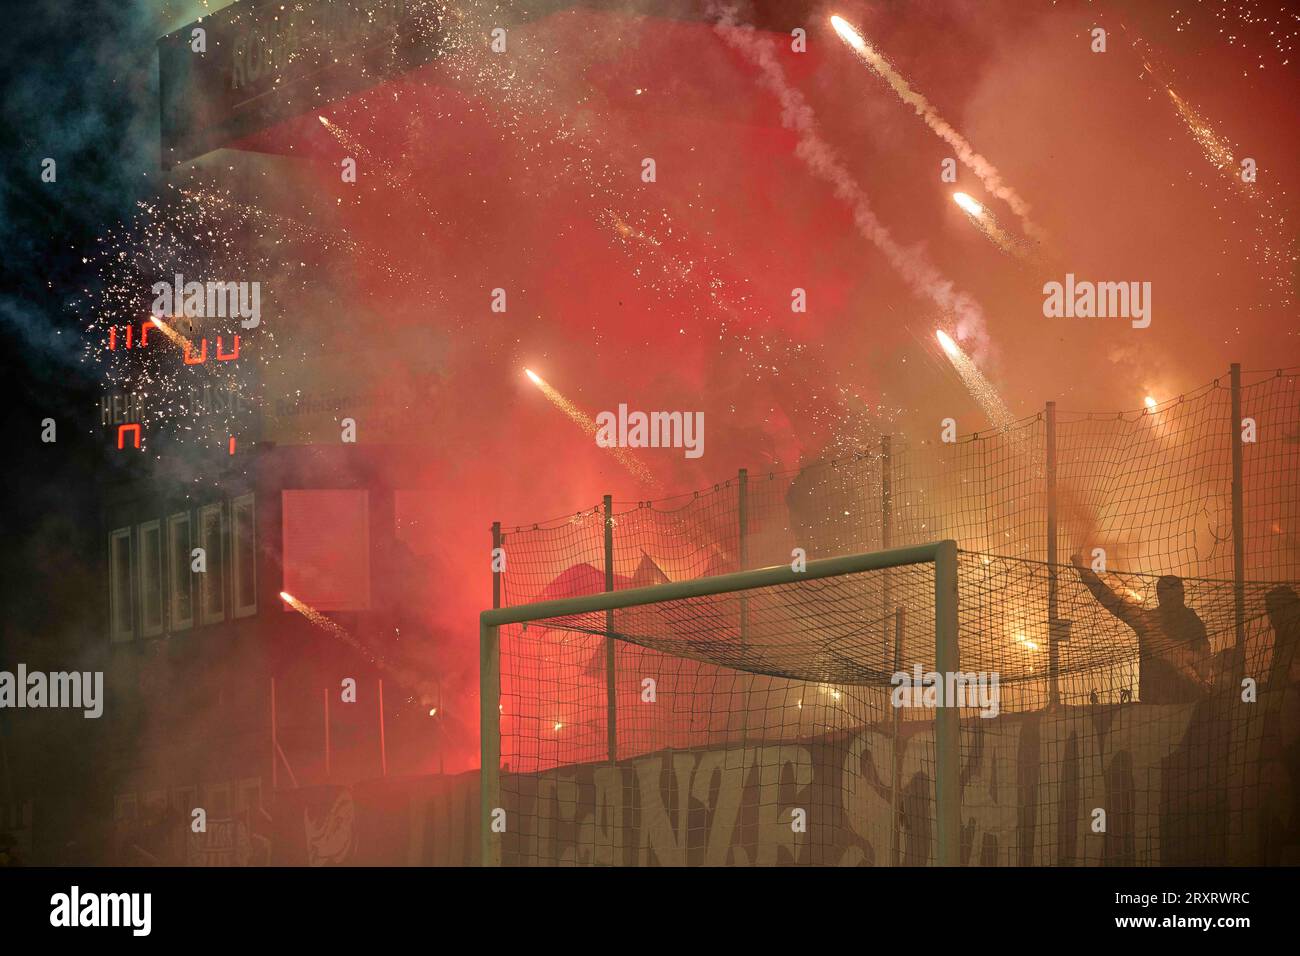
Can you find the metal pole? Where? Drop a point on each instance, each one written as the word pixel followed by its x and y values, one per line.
pixel 383 748
pixel 742 497
pixel 895 841
pixel 886 541
pixel 489 695
pixel 611 685
pixel 327 733
pixel 1238 516
pixel 1053 652
pixel 886 511
pixel 947 719
pixel 275 744
pixel 442 737
pixel 886 493
pixel 718 584
pixel 742 519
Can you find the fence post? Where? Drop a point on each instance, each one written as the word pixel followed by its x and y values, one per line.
pixel 489 710
pixel 742 517
pixel 275 744
pixel 895 844
pixel 1053 651
pixel 489 694
pixel 886 513
pixel 947 719
pixel 611 686
pixel 1238 516
pixel 886 493
pixel 327 733
pixel 383 744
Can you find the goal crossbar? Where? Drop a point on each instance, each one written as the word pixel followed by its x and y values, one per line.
pixel 942 554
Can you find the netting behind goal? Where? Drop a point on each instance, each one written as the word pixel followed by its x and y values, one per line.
pixel 1152 487
pixel 765 726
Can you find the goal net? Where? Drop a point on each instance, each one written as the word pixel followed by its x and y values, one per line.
pixel 911 706
pixel 830 716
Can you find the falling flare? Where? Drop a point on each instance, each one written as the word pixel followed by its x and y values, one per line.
pixel 172 335
pixel 587 424
pixel 948 344
pixel 988 224
pixel 821 159
pixel 848 34
pixel 1273 249
pixel 406 678
pixel 979 387
pixel 981 167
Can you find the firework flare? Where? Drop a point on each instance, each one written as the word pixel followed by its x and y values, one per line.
pixel 404 677
pixel 1277 262
pixel 796 115
pixel 173 336
pixel 704 284
pixel 588 425
pixel 979 387
pixel 988 173
pixel 984 220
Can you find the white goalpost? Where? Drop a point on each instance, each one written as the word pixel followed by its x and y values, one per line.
pixel 693 622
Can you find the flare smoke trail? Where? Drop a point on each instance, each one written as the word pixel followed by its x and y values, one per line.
pixel 798 117
pixel 404 677
pixel 397 183
pixel 173 336
pixel 979 387
pixel 988 173
pixel 1278 263
pixel 701 281
pixel 587 424
pixel 987 223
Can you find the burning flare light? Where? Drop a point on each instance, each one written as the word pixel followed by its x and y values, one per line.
pixel 981 167
pixel 848 34
pixel 979 387
pixel 404 677
pixel 988 224
pixel 587 424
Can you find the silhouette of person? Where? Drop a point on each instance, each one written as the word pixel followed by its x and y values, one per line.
pixel 1172 644
pixel 1283 606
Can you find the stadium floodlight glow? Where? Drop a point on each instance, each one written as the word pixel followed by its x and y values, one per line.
pixel 848 34
pixel 746 586
pixel 969 205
